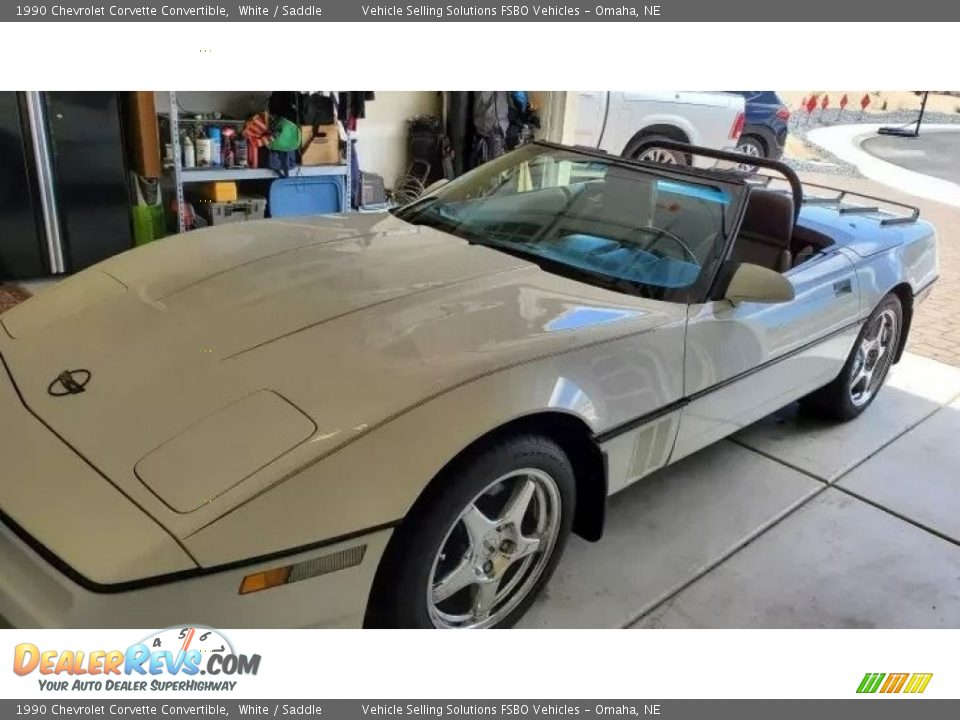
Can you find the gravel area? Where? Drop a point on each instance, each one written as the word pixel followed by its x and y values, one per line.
pixel 829 164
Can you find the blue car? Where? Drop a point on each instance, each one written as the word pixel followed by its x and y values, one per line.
pixel 765 130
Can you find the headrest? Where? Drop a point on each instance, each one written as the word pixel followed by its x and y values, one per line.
pixel 769 216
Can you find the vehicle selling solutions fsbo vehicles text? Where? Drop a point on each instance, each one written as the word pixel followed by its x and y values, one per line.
pixel 453 11
pixel 513 709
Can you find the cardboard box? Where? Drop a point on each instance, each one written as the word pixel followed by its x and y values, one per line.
pixel 220 191
pixel 144 134
pixel 320 148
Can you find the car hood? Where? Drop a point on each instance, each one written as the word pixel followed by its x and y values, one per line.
pixel 222 361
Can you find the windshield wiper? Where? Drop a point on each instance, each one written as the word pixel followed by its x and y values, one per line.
pixel 421 203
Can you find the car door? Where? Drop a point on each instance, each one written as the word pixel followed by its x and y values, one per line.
pixel 744 361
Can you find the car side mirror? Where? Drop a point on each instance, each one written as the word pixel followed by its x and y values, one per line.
pixel 754 283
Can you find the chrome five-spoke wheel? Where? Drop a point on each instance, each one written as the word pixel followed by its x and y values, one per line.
pixel 495 551
pixel 873 354
pixel 481 541
pixel 873 357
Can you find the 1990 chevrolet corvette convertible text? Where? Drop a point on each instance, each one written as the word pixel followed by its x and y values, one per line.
pixel 398 419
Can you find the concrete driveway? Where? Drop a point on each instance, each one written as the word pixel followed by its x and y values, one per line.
pixel 791 523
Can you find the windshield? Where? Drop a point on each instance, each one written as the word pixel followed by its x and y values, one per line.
pixel 589 217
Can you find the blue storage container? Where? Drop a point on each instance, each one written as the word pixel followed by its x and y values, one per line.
pixel 300 195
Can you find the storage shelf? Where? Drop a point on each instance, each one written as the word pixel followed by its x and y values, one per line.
pixel 183 176
pixel 210 121
pixel 214 174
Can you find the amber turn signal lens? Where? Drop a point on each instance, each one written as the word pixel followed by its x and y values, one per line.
pixel 264 580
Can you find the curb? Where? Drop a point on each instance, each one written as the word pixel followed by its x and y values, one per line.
pixel 844 141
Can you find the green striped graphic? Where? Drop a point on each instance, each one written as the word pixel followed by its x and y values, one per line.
pixel 871 682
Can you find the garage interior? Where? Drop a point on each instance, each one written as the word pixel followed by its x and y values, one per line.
pixel 95 173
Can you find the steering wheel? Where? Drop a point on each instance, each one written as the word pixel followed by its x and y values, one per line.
pixel 666 235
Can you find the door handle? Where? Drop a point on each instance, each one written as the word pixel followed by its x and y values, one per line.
pixel 842 287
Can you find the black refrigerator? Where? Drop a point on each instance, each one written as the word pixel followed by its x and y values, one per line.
pixel 64 196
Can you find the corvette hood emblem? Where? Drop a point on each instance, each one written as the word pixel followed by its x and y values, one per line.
pixel 69 382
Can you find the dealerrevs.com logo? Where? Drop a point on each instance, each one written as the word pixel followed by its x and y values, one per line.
pixel 891 683
pixel 175 659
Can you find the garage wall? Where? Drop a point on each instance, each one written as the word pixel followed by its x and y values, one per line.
pixel 231 104
pixel 558 112
pixel 381 136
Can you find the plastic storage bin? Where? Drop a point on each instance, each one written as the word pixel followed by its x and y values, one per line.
pixel 294 196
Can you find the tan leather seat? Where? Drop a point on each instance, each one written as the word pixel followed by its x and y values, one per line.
pixel 765 233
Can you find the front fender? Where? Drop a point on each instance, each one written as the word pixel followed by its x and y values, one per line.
pixel 374 480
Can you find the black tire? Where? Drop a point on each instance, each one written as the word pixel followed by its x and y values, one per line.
pixel 399 595
pixel 836 400
pixel 751 146
pixel 756 143
pixel 632 149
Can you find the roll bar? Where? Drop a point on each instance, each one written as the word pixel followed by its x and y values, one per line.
pixel 796 188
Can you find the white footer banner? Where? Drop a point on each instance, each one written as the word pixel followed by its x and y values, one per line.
pixel 200 663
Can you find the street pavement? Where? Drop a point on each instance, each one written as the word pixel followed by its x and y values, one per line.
pixel 930 153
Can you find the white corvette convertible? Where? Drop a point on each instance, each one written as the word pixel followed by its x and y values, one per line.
pixel 396 420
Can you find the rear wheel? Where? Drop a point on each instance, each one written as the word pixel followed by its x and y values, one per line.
pixel 485 538
pixel 655 154
pixel 752 147
pixel 867 365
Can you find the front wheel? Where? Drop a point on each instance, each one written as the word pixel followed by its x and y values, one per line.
pixel 482 541
pixel 866 367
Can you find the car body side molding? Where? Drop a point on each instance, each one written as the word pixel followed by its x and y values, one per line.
pixel 633 424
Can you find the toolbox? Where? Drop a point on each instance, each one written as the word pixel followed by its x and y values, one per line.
pixel 240 210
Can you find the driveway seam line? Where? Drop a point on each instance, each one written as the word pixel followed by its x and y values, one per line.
pixel 899 516
pixel 727 554
pixel 846 471
pixel 885 445
pixel 785 463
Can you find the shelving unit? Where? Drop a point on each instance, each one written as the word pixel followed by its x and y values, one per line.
pixel 183 176
pixel 212 174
